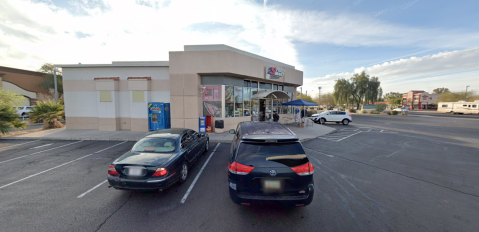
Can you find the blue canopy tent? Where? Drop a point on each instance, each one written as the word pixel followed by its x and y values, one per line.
pixel 299 102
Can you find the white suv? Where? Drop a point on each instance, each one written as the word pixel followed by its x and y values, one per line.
pixel 23 110
pixel 332 116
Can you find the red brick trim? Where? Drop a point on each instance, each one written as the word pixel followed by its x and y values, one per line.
pixel 139 78
pixel 107 78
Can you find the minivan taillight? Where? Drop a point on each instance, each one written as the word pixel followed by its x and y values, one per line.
pixel 112 171
pixel 305 169
pixel 240 169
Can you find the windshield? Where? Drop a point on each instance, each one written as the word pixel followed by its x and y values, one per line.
pixel 156 145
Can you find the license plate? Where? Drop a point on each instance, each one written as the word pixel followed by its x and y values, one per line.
pixel 271 185
pixel 135 171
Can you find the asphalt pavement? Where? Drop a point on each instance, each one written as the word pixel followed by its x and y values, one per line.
pixel 380 173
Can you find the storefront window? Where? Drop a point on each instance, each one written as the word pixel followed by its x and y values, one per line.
pixel 212 101
pixel 266 86
pixel 275 87
pixel 255 108
pixel 238 101
pixel 254 84
pixel 247 101
pixel 247 83
pixel 229 101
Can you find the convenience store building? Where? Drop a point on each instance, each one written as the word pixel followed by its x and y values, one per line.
pixel 228 83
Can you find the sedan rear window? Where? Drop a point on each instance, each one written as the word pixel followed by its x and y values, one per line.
pixel 157 145
pixel 260 155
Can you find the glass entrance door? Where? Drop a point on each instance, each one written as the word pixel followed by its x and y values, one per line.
pixel 264 109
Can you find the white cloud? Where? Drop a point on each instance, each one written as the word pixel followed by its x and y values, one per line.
pixel 34 33
pixel 453 70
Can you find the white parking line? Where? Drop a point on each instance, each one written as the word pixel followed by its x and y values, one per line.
pixel 197 176
pixel 349 136
pixel 45 145
pixel 28 177
pixel 98 185
pixel 1 148
pixel 19 157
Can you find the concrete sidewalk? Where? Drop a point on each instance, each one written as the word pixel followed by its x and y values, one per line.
pixel 303 133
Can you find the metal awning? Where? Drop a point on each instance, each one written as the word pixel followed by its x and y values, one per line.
pixel 271 94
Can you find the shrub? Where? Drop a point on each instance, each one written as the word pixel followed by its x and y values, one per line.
pixel 49 113
pixel 380 107
pixel 394 112
pixel 9 119
pixel 352 110
pixel 365 111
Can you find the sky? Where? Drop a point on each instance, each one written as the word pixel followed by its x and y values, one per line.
pixel 407 44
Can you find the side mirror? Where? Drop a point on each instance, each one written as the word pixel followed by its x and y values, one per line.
pixel 232 131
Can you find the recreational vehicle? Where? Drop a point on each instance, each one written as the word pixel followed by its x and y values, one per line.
pixel 460 107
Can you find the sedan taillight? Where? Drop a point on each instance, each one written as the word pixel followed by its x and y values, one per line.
pixel 112 171
pixel 305 169
pixel 160 172
pixel 240 169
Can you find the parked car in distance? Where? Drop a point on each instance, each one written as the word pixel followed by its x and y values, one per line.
pixel 23 110
pixel 402 109
pixel 333 116
pixel 158 160
pixel 268 163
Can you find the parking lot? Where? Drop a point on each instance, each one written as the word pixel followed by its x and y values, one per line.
pixel 381 173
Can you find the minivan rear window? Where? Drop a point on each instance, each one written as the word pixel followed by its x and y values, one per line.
pixel 263 154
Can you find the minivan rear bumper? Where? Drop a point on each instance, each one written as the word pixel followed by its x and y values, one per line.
pixel 296 200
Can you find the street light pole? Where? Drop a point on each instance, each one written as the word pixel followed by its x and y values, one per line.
pixel 466 92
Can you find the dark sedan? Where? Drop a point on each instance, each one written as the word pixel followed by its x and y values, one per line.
pixel 158 160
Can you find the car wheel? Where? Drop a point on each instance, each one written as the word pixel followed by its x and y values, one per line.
pixel 183 173
pixel 345 122
pixel 322 121
pixel 207 145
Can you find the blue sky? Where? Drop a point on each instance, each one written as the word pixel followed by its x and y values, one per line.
pixel 408 44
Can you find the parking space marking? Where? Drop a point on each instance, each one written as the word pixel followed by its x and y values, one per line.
pixel 1 148
pixel 61 165
pixel 1 162
pixel 45 145
pixel 85 193
pixel 198 175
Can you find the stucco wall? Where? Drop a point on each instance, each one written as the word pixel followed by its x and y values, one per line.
pixel 186 68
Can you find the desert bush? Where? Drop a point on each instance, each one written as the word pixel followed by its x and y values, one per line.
pixel 394 113
pixel 49 113
pixel 365 111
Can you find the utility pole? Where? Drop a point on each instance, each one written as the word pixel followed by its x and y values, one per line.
pixel 466 92
pixel 55 83
pixel 319 93
pixel 301 97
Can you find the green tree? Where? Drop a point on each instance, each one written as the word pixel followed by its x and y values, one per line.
pixel 380 107
pixel 9 119
pixel 441 90
pixel 358 89
pixel 394 99
pixel 10 98
pixel 49 113
pixel 305 97
pixel 457 96
pixel 326 99
pixel 48 82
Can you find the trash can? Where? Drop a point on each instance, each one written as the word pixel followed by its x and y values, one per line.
pixel 219 126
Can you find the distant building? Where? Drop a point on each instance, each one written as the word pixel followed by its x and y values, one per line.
pixel 22 82
pixel 420 100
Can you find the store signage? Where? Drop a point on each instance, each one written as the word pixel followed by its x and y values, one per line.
pixel 155 109
pixel 212 101
pixel 274 73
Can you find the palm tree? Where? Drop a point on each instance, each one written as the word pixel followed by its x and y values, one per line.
pixel 49 113
pixel 9 119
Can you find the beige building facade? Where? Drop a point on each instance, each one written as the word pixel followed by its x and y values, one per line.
pixel 228 83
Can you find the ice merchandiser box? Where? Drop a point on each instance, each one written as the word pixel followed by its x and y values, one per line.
pixel 159 116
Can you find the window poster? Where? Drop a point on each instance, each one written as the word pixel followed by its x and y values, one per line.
pixel 229 94
pixel 212 101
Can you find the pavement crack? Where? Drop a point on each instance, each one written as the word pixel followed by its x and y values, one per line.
pixel 121 206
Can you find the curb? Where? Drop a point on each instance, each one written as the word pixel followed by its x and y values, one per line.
pixel 84 139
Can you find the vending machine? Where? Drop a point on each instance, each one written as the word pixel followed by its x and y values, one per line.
pixel 202 125
pixel 159 116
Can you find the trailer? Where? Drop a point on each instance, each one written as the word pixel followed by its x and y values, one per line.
pixel 460 107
